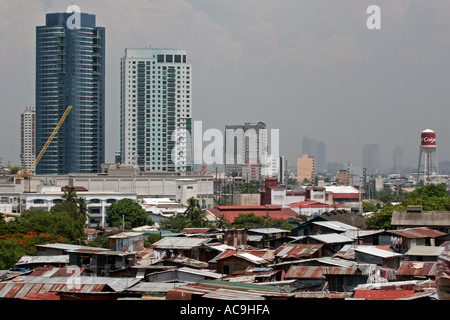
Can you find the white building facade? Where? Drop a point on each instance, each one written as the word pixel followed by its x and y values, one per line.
pixel 27 137
pixel 156 109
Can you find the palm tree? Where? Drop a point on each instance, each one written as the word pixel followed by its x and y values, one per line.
pixel 194 214
pixel 83 208
pixel 70 195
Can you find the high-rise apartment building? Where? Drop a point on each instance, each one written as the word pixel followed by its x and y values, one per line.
pixel 397 159
pixel 305 168
pixel 317 150
pixel 70 71
pixel 371 157
pixel 27 138
pixel 156 109
pixel 244 144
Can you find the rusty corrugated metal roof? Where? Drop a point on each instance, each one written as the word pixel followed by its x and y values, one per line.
pixel 323 295
pixel 420 232
pixel 13 290
pixel 417 269
pixel 382 294
pixel 317 272
pixel 21 287
pixel 292 250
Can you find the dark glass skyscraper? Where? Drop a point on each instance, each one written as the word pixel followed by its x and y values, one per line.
pixel 70 71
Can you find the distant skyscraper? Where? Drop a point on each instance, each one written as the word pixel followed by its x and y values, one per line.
pixel 371 157
pixel 70 71
pixel 249 145
pixel 156 109
pixel 397 158
pixel 27 137
pixel 316 149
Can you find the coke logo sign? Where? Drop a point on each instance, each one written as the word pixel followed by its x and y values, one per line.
pixel 429 140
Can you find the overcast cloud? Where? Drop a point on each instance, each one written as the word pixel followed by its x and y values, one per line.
pixel 306 67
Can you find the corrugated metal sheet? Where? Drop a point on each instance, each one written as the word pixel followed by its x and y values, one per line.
pixel 179 243
pixel 13 290
pixel 21 287
pixel 374 251
pixel 331 238
pixel 425 251
pixel 335 225
pixel 417 269
pixel 420 232
pixel 297 250
pixel 323 295
pixel 315 272
pixel 382 294
pixel 63 259
pixel 56 272
pixel 227 294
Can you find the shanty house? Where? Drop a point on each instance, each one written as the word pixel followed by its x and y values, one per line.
pixel 103 263
pixel 381 257
pixel 129 241
pixel 424 253
pixel 333 241
pixel 185 274
pixel 267 237
pixel 405 239
pixel 295 251
pixel 232 260
pixel 341 279
pixel 171 247
pixel 411 270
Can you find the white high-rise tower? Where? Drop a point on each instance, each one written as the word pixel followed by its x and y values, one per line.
pixel 156 109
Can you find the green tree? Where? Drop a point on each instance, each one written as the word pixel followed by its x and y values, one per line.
pixel 248 221
pixel 83 209
pixel 103 240
pixel 58 223
pixel 10 253
pixel 429 191
pixel 385 195
pixel 70 194
pixel 382 219
pixel 128 213
pixel 175 223
pixel 369 207
pixel 194 214
pixel 430 197
pixel 222 222
pixel 249 187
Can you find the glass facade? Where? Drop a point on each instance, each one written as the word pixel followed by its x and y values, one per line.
pixel 70 71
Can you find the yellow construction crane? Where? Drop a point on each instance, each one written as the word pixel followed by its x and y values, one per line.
pixel 22 174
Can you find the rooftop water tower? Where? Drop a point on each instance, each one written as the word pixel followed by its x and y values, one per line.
pixel 427 157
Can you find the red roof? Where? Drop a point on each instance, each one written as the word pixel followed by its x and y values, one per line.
pixel 382 294
pixel 346 195
pixel 312 204
pixel 275 212
pixel 42 296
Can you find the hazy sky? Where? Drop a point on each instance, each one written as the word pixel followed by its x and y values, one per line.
pixel 306 67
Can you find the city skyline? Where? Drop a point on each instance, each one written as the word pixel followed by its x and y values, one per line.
pixel 264 71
